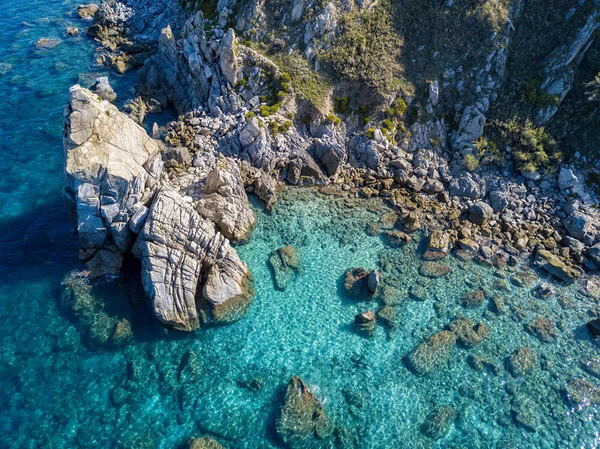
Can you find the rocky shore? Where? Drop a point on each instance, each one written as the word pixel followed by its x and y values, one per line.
pixel 176 202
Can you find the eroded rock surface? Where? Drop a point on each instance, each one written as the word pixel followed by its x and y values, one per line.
pixel 432 353
pixel 177 246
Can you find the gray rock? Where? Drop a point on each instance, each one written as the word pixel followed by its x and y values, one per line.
pixel 225 201
pixel 227 58
pixel 566 178
pixel 330 153
pixel 103 89
pixel 578 224
pixel 498 200
pixel 465 187
pixel 554 265
pixel 111 167
pixel 176 245
pixel 373 281
pixel 480 213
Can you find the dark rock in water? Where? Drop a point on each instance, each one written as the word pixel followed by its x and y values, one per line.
pixel 104 262
pixel 365 322
pixel 203 443
pixel 526 412
pixel 524 278
pixel 544 290
pixel 521 362
pixel 468 334
pixel 190 367
pixel 473 299
pixel 387 316
pixel 498 305
pixel 373 230
pixel 285 265
pixel 543 328
pixel 122 333
pixel 46 43
pixel 252 384
pixel 434 270
pixel 483 363
pixel 396 239
pixel 438 423
pixel 581 393
pixel 388 220
pixel 418 292
pixel 432 353
pixel 373 281
pixel 356 283
pixel 302 422
pixel 593 328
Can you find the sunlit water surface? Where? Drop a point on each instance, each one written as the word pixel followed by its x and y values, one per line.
pixel 59 390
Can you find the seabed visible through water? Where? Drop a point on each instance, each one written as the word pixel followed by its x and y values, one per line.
pixel 61 388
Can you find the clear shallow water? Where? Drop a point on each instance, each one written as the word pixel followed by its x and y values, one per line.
pixel 59 390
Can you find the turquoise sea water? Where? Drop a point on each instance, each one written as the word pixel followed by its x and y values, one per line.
pixel 61 390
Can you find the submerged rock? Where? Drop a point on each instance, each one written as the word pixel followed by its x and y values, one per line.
pixel 467 333
pixel 526 412
pixel 521 362
pixel 432 353
pixel 581 393
pixel 387 316
pixel 543 328
pixel 176 246
pixel 285 264
pixel 473 299
pixel 203 443
pixel 365 322
pixel 396 239
pixel 593 328
pixel 434 270
pixel 438 423
pixel 302 422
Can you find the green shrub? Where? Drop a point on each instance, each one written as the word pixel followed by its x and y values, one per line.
pixel 285 126
pixel 471 162
pixel 250 115
pixel 370 134
pixel 333 119
pixel 265 110
pixel 274 127
pixel 341 105
pixel 367 48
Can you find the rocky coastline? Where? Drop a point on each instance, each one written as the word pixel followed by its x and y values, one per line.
pixel 224 144
pixel 176 199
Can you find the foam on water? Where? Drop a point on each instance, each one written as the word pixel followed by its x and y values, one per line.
pixel 60 390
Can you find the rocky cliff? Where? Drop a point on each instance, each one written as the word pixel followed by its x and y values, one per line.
pixel 122 201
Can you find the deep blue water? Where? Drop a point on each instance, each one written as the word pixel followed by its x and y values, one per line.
pixel 59 389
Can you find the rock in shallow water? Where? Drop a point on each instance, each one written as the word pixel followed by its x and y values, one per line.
pixel 204 443
pixel 356 283
pixel 434 270
pixel 521 362
pixel 302 422
pixel 438 422
pixel 176 245
pixel 285 264
pixel 581 393
pixel 432 353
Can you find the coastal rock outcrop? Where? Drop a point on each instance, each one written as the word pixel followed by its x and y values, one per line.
pixel 180 252
pixel 112 169
pixel 225 202
pixel 302 422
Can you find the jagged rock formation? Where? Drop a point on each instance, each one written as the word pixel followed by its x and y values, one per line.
pixel 177 246
pixel 112 169
pixel 225 201
pixel 115 191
